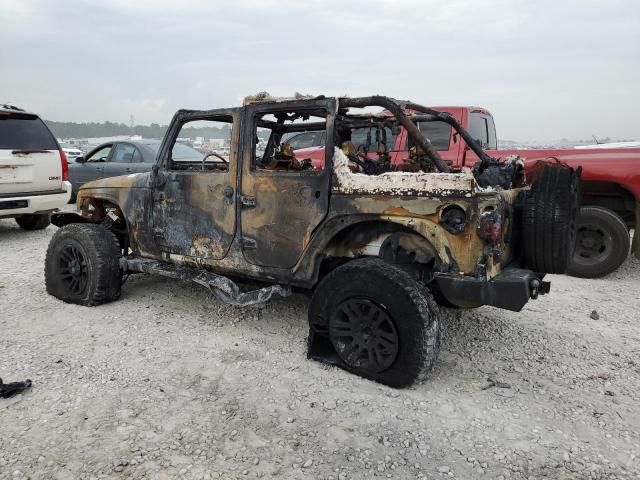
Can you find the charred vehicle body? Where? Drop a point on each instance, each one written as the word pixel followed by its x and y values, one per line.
pixel 378 245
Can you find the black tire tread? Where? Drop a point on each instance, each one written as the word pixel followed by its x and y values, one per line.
pixel 417 294
pixel 102 249
pixel 547 220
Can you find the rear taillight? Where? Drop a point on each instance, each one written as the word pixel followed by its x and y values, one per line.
pixel 65 166
pixel 490 228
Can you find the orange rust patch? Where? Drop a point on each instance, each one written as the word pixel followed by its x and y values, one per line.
pixel 205 247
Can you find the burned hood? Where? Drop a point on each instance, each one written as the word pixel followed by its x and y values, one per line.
pixel 133 180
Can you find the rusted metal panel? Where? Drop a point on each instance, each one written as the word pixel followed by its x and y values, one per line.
pixel 192 216
pixel 289 206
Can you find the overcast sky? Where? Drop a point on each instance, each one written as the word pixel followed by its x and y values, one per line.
pixel 545 69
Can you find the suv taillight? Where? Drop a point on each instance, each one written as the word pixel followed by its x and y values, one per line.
pixel 65 166
pixel 490 228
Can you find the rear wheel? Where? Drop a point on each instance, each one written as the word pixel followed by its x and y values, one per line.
pixel 382 323
pixel 38 221
pixel 602 243
pixel 82 265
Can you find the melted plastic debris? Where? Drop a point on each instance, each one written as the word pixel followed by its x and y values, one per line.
pixel 402 183
pixel 507 174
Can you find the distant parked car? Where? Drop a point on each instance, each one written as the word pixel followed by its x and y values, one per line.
pixel 70 151
pixel 121 158
pixel 33 170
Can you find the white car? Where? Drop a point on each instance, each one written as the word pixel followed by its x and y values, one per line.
pixel 70 151
pixel 34 174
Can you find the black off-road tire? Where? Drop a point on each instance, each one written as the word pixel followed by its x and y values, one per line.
pixel 602 244
pixel 82 265
pixel 401 307
pixel 550 219
pixel 38 221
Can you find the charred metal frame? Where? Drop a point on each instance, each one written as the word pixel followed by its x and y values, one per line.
pixel 282 225
pixel 408 122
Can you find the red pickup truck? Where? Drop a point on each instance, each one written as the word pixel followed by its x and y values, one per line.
pixel 610 180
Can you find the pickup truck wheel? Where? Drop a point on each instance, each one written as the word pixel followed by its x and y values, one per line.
pixel 381 322
pixel 549 219
pixel 38 221
pixel 82 265
pixel 602 245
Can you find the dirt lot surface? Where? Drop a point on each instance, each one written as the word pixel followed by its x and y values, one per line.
pixel 166 383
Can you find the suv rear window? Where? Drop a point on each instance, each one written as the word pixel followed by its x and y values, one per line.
pixel 19 131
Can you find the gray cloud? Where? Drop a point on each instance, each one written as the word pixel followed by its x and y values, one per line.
pixel 546 69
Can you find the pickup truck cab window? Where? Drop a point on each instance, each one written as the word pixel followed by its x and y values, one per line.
pixel 306 140
pixel 438 133
pixel 482 128
pixel 370 139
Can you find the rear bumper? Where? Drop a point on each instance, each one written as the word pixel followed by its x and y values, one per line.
pixel 511 289
pixel 26 203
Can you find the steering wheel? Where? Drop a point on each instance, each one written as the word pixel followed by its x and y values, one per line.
pixel 213 154
pixel 367 165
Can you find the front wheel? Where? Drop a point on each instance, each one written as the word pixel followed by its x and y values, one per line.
pixel 381 322
pixel 82 265
pixel 602 243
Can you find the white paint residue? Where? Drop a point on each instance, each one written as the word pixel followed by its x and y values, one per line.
pixel 401 183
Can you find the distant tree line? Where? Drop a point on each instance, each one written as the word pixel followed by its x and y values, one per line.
pixel 111 129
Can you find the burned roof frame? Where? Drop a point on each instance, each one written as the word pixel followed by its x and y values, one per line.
pixel 396 108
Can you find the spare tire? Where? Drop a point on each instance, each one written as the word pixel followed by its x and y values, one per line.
pixel 549 218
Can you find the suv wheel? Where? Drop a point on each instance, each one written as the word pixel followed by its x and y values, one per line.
pixel 381 322
pixel 603 243
pixel 38 221
pixel 82 266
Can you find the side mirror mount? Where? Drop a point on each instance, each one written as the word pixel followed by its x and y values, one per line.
pixel 81 159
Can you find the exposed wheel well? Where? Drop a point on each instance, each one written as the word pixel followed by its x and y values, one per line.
pixel 109 214
pixel 388 240
pixel 612 196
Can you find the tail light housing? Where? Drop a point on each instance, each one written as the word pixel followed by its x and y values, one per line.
pixel 490 227
pixel 65 166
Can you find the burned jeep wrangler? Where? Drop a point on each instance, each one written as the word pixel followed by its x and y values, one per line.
pixel 378 244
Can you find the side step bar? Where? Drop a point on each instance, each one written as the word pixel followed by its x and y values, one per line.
pixel 220 286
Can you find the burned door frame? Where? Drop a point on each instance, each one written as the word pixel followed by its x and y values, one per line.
pixel 279 210
pixel 194 216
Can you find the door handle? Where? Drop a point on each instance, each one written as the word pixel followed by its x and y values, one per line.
pixel 228 195
pixel 127 169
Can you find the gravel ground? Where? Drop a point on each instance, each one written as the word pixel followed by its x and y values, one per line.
pixel 166 383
